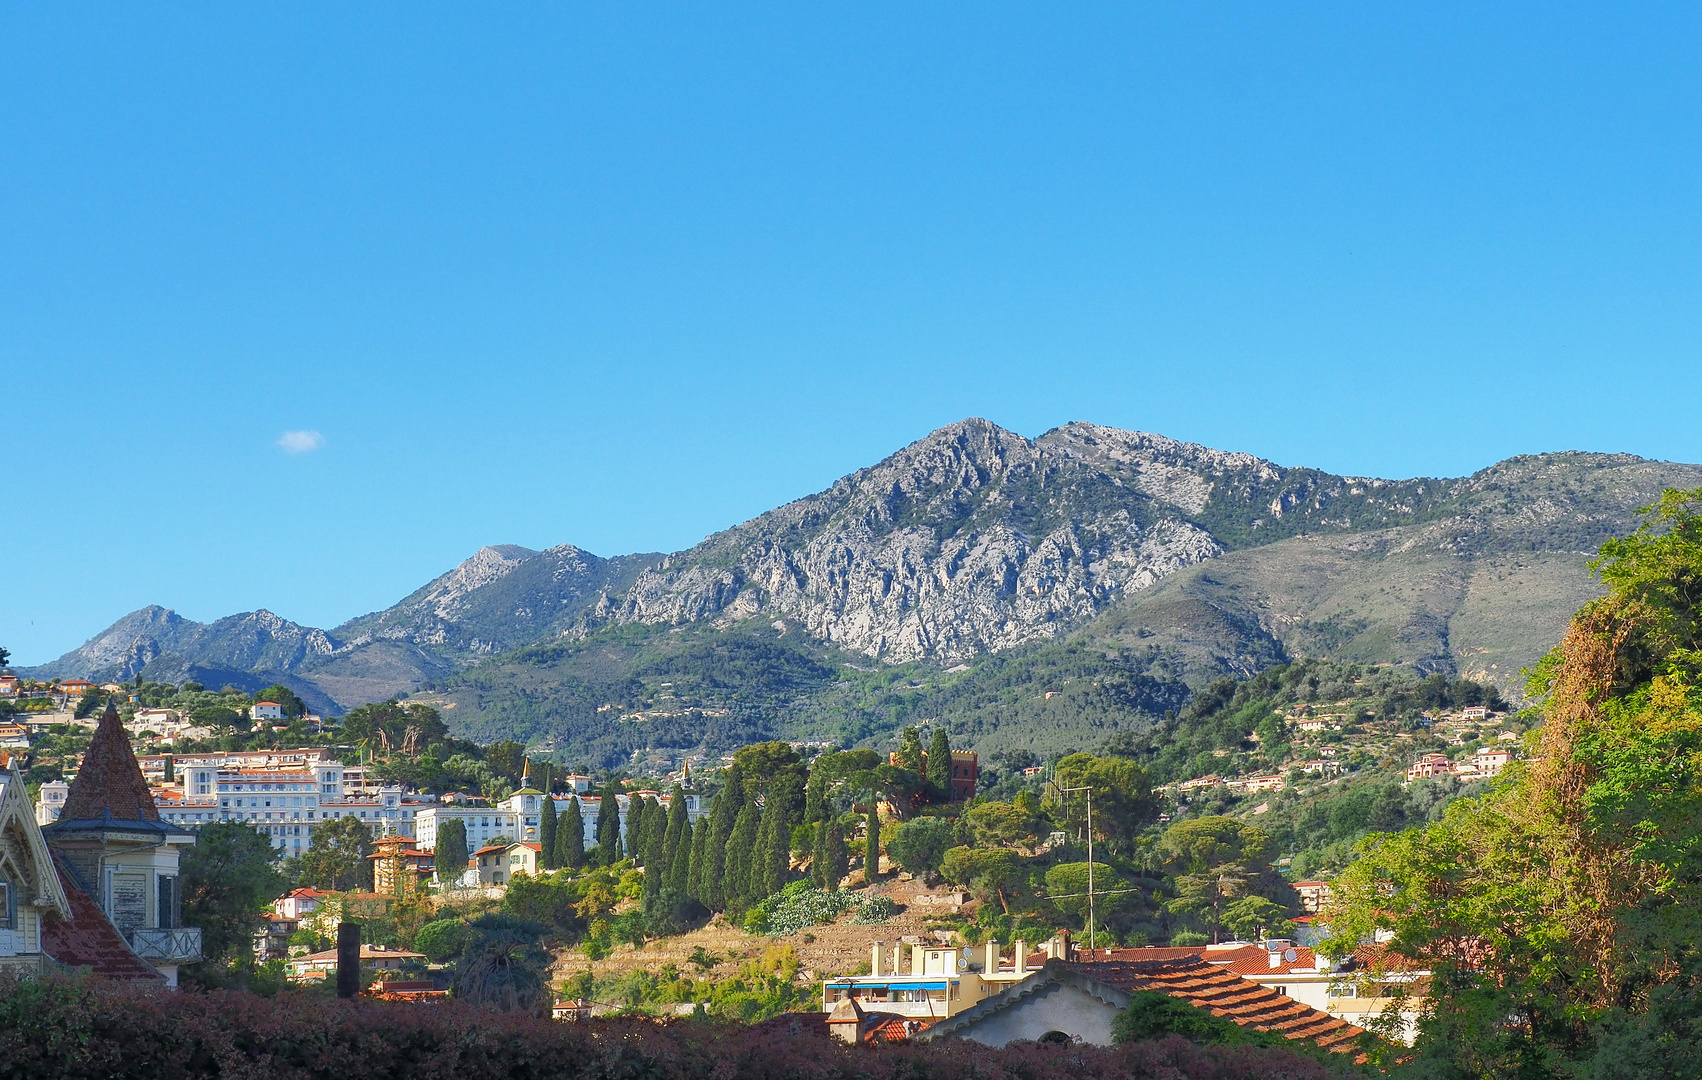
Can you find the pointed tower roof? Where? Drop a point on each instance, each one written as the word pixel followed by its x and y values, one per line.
pixel 110 781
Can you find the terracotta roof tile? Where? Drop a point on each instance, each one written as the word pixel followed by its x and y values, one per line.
pixel 89 940
pixel 110 778
pixel 1226 994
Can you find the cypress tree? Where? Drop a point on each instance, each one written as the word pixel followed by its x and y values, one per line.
pixel 547 833
pixel 699 857
pixel 723 813
pixel 872 853
pixel 679 873
pixel 939 766
pixel 818 860
pixel 838 857
pixel 740 846
pixel 674 831
pixel 570 836
pixel 655 836
pixel 451 854
pixel 609 827
pixel 774 849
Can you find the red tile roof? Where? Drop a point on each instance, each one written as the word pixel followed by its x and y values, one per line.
pixel 1224 993
pixel 1192 979
pixel 1255 960
pixel 110 779
pixel 89 940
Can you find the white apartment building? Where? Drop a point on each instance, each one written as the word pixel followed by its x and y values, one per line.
pixel 282 798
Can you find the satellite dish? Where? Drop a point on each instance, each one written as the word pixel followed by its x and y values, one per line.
pixel 1290 955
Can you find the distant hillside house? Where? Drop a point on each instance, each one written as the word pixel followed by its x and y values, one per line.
pixel 267 710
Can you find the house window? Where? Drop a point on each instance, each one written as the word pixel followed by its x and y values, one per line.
pixel 6 919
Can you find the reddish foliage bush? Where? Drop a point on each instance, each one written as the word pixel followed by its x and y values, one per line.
pixel 65 1028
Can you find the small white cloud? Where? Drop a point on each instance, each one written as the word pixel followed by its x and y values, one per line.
pixel 300 442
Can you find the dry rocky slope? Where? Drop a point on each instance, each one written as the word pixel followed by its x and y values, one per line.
pixel 976 540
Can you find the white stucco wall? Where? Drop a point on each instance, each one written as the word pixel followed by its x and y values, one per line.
pixel 1056 1008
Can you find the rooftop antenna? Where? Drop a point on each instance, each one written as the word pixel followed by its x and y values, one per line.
pixel 1088 789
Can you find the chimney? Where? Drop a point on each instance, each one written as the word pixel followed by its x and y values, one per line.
pixel 1021 965
pixel 990 963
pixel 875 960
pixel 915 959
pixel 1275 959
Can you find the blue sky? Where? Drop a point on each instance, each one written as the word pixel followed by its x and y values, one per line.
pixel 621 275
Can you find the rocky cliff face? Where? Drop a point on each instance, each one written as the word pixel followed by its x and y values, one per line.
pixel 972 540
pixel 502 597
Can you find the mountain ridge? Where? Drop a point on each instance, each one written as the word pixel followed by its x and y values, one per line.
pixel 974 541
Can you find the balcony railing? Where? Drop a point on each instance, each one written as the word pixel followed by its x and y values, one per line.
pixel 177 945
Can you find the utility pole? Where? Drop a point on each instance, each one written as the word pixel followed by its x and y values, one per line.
pixel 1088 788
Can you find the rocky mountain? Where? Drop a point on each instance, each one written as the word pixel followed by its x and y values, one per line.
pixel 1169 561
pixel 500 598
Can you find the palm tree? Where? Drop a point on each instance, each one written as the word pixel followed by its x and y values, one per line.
pixel 504 968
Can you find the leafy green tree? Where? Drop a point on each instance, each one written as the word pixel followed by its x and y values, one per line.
pixel 442 941
pixel 872 848
pixel 1002 824
pixel 88 703
pixel 1249 917
pixel 1569 898
pixel 336 857
pixel 762 765
pixel 451 854
pixel 991 873
pixel 1123 802
pixel 228 876
pixel 547 833
pixel 570 836
pixel 1214 861
pixel 939 766
pixel 920 845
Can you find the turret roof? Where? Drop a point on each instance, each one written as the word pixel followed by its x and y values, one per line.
pixel 110 781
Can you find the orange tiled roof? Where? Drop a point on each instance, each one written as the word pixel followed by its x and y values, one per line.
pixel 1224 993
pixel 1255 960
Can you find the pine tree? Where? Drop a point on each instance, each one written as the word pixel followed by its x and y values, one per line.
pixel 451 854
pixel 547 833
pixel 939 766
pixel 741 844
pixel 872 853
pixel 570 836
pixel 910 751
